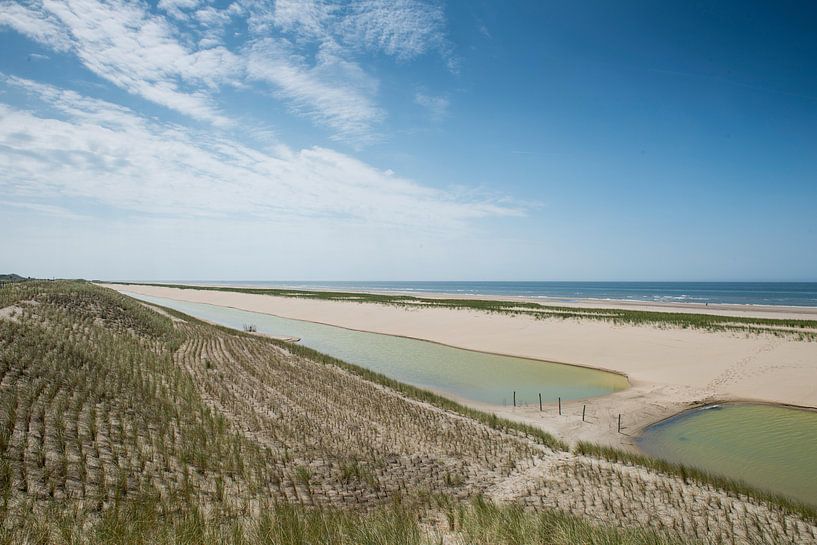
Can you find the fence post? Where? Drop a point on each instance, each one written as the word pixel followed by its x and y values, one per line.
pixel 540 402
pixel 560 406
pixel 619 423
pixel 514 398
pixel 584 408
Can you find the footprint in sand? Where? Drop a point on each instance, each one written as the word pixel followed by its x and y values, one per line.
pixel 739 370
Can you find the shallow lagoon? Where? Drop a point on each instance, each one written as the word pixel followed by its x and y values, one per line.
pixel 771 447
pixel 465 374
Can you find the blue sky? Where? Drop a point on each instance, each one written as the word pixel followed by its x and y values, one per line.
pixel 305 139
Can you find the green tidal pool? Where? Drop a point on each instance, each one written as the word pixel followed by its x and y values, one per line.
pixel 465 374
pixel 767 446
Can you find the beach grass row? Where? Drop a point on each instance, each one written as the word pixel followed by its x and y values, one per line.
pixel 584 448
pixel 419 394
pixel 106 439
pixel 100 374
pixel 480 522
pixel 687 473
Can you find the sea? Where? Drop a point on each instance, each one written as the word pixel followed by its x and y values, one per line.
pixel 796 294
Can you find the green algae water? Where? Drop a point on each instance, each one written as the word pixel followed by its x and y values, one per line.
pixel 465 374
pixel 770 447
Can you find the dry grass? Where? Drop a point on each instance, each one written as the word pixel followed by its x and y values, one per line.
pixel 113 414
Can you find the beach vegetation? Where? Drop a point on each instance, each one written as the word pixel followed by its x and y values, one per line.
pixel 122 422
pixel 686 473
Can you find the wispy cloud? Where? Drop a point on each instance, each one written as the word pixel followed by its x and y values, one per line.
pixel 401 28
pixel 178 8
pixel 44 209
pixel 36 23
pixel 106 154
pixel 332 91
pixel 138 52
pixel 330 86
pixel 303 51
pixel 309 19
pixel 437 106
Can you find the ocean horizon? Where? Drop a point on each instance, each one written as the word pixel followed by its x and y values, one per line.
pixel 798 294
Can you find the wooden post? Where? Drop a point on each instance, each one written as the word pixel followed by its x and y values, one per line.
pixel 540 402
pixel 514 398
pixel 584 408
pixel 560 406
pixel 619 423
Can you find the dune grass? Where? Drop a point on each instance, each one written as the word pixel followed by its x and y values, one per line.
pixel 794 328
pixel 489 419
pixel 480 522
pixel 732 486
pixel 485 523
pixel 690 473
pixel 121 424
pixel 420 394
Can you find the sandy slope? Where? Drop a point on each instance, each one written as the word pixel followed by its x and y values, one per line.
pixel 670 368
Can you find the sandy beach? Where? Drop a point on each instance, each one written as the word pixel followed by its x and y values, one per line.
pixel 670 369
pixel 718 309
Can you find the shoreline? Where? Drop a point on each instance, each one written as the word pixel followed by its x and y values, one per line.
pixel 749 310
pixel 644 403
pixel 717 403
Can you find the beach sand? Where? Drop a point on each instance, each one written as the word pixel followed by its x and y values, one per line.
pixel 719 309
pixel 670 369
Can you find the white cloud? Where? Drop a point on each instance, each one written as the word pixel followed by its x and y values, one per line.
pixel 106 154
pixel 304 51
pixel 309 18
pixel 44 209
pixel 35 23
pixel 178 8
pixel 139 52
pixel 330 87
pixel 210 17
pixel 437 106
pixel 401 28
pixel 332 92
pixel 136 51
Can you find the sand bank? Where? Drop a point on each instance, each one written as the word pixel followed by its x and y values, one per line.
pixel 669 368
